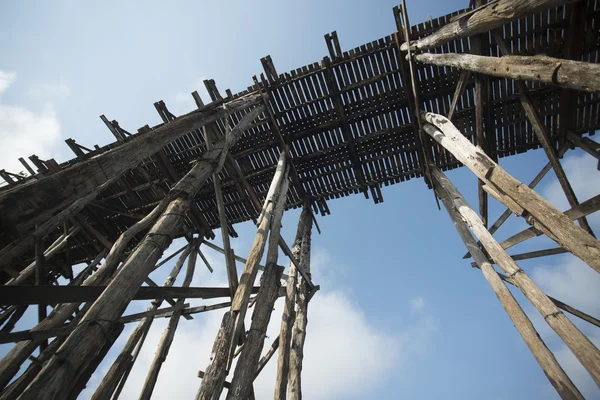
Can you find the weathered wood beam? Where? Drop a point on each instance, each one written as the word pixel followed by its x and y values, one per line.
pixel 56 377
pixel 583 349
pixel 586 144
pixel 566 233
pixel 461 85
pixel 504 216
pixel 166 340
pixel 586 208
pixel 40 279
pixel 223 348
pixel 128 355
pixel 561 305
pixel 26 294
pixel 289 312
pixel 543 136
pixel 245 370
pixel 303 296
pixel 564 73
pixel 236 257
pixel 556 375
pixel 82 182
pixel 490 16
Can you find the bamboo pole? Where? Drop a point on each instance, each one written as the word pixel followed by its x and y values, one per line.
pixel 56 377
pixel 490 16
pixel 556 375
pixel 587 354
pixel 564 73
pixel 564 231
pixel 216 371
pixel 167 338
pixel 289 312
pixel 303 296
pixel 125 360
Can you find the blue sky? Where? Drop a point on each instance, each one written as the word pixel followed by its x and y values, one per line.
pixel 400 314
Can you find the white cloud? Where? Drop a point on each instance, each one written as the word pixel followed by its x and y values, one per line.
pixel 581 169
pixel 417 304
pixel 345 353
pixel 50 91
pixel 6 79
pixel 24 132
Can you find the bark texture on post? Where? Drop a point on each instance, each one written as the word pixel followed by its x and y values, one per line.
pixel 564 231
pixel 216 372
pixel 167 338
pixel 556 375
pixel 245 370
pixel 564 73
pixel 483 19
pixel 214 376
pixel 125 360
pixel 90 335
pixel 585 351
pixel 289 312
pixel 299 332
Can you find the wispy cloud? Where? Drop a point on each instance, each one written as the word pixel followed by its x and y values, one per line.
pixel 417 304
pixel 6 78
pixel 24 132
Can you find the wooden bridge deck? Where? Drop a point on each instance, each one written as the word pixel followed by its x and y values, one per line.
pixel 347 122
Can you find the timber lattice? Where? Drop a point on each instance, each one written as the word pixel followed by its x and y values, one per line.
pixel 348 124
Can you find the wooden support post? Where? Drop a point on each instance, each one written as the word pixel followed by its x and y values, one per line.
pixel 490 16
pixel 85 180
pixel 289 312
pixel 564 73
pixel 57 376
pixel 556 375
pixel 586 208
pixel 561 305
pixel 544 137
pixel 40 279
pixel 587 354
pixel 232 275
pixel 586 144
pixel 303 296
pixel 461 85
pixel 212 383
pixel 125 360
pixel 241 384
pixel 167 338
pixel 566 233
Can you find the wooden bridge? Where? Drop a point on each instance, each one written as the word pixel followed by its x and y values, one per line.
pixel 464 89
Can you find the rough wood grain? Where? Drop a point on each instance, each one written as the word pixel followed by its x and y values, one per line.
pixel 289 312
pixel 556 375
pixel 564 73
pixel 55 379
pixel 565 232
pixel 493 15
pixel 580 345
